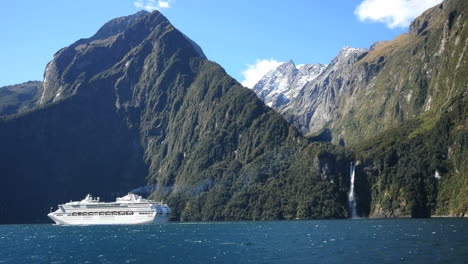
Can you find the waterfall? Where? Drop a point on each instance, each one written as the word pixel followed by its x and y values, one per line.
pixel 352 201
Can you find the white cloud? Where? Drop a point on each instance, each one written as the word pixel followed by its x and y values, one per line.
pixel 163 4
pixel 151 5
pixel 256 71
pixel 394 13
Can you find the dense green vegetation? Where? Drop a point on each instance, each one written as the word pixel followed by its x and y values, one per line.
pixel 313 186
pixel 400 167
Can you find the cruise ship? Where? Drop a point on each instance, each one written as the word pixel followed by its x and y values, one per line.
pixel 128 210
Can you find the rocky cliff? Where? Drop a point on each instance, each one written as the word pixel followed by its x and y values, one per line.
pixel 281 86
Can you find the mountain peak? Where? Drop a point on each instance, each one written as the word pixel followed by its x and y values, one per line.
pixel 283 84
pixel 290 62
pixel 117 38
pixel 119 25
pixel 348 55
pixel 286 67
pixel 346 51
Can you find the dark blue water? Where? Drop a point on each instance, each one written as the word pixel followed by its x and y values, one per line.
pixel 329 241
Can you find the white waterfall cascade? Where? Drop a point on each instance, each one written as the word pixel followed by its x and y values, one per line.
pixel 352 201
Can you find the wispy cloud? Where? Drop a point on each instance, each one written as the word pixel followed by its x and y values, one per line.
pixel 394 13
pixel 255 72
pixel 151 5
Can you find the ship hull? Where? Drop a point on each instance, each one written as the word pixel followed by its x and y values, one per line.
pixel 130 209
pixel 108 220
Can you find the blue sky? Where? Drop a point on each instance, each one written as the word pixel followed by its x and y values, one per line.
pixel 235 34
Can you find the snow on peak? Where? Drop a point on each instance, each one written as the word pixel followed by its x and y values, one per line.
pixel 347 55
pixel 283 84
pixel 346 51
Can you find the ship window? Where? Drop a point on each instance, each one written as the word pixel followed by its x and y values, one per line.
pixel 108 213
pixel 85 213
pixel 74 214
pixel 101 213
pixel 129 213
pixel 121 213
pixel 114 213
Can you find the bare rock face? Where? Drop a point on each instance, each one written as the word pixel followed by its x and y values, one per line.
pixel 282 85
pixel 321 98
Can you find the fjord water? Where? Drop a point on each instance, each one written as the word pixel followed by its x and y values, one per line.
pixel 318 241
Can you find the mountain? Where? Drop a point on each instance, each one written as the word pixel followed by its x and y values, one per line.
pixel 283 84
pixel 15 99
pixel 401 107
pixel 139 107
pixel 366 91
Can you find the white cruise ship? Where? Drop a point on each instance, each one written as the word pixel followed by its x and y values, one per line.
pixel 128 210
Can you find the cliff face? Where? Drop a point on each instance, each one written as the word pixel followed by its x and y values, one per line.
pixel 138 104
pixel 281 86
pixel 326 95
pixel 418 167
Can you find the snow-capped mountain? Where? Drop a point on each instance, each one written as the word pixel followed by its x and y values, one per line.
pixel 307 95
pixel 282 85
pixel 329 93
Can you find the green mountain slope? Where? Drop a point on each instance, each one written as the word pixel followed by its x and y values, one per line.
pixel 19 98
pixel 420 72
pixel 418 169
pixel 139 104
